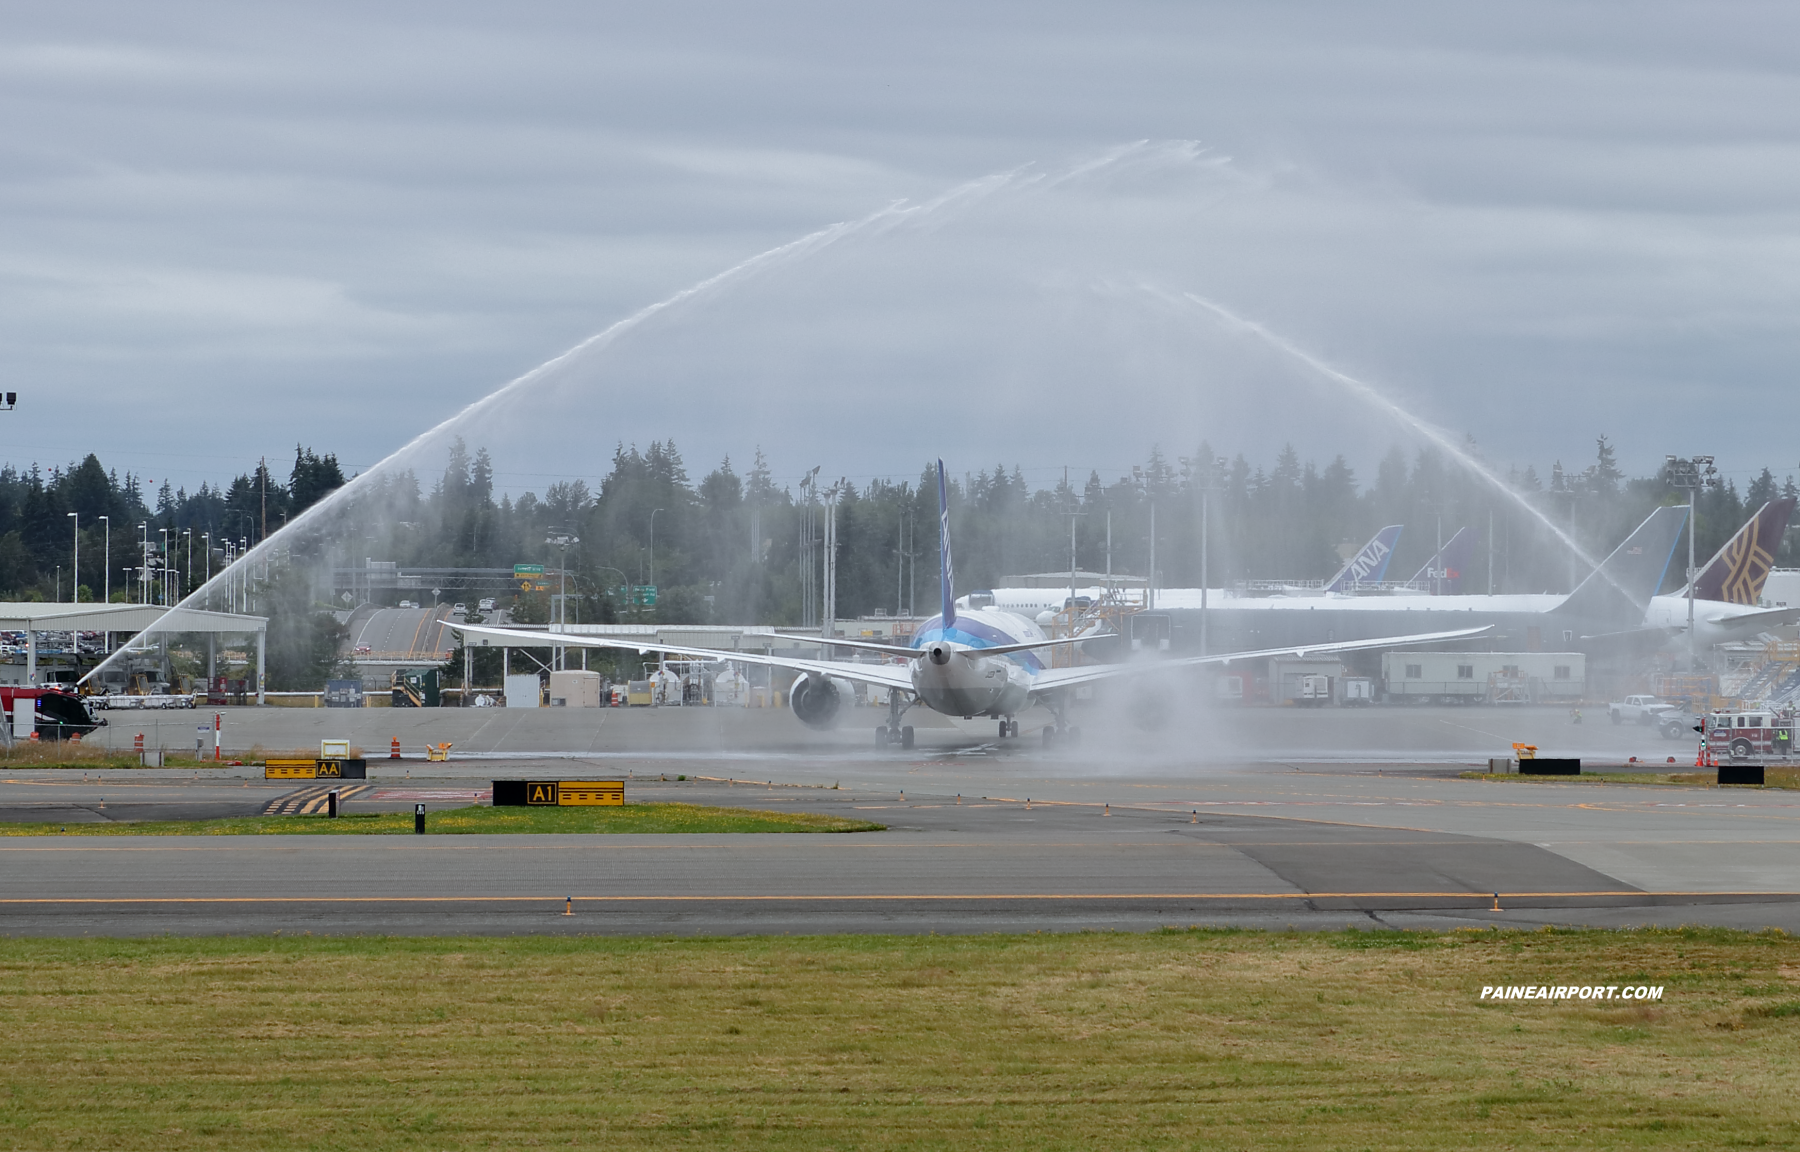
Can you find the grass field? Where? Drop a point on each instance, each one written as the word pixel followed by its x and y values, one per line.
pixel 1180 1039
pixel 63 754
pixel 1783 778
pixel 639 818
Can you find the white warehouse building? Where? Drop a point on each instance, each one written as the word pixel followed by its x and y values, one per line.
pixel 1484 677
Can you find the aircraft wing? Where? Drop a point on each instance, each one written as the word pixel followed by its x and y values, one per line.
pixel 879 675
pixel 913 653
pixel 1070 677
pixel 1767 618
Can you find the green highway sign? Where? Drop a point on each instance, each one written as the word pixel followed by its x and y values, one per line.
pixel 642 595
pixel 527 570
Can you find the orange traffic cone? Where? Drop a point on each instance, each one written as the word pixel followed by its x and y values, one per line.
pixel 394 749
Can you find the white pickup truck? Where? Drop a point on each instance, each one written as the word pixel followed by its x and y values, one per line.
pixel 1639 709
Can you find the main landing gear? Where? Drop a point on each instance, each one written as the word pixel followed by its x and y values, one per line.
pixel 1061 729
pixel 887 736
pixel 1009 728
pixel 893 732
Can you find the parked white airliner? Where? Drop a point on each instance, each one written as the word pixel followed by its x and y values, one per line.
pixel 968 663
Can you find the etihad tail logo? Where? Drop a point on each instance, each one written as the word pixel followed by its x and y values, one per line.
pixel 1737 574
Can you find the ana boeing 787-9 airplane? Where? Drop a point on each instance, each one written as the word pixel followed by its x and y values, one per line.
pixel 967 663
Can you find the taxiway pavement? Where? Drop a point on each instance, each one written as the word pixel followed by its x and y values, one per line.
pixel 1114 837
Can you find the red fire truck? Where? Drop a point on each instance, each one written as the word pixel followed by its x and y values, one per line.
pixel 1750 732
pixel 57 714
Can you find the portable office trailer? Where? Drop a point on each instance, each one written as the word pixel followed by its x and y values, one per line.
pixel 1484 677
pixel 572 689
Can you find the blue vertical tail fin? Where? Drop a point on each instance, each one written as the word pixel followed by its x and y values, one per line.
pixel 1369 565
pixel 946 575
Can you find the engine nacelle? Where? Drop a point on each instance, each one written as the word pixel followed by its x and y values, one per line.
pixel 821 701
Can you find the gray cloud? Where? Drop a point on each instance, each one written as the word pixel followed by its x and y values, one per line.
pixel 225 228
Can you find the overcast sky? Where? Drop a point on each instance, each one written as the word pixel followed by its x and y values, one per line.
pixel 227 228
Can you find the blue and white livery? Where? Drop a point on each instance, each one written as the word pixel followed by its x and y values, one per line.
pixel 967 663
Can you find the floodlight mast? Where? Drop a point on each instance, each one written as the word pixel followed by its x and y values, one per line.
pixel 1693 474
pixel 561 539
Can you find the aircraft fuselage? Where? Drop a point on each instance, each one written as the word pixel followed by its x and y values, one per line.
pixel 953 677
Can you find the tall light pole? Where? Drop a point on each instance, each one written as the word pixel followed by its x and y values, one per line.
pixel 829 617
pixel 75 596
pixel 106 578
pixel 144 584
pixel 1207 475
pixel 189 533
pixel 653 547
pixel 1692 474
pixel 560 539
pixel 165 564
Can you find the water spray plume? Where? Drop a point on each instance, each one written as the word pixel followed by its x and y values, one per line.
pixel 883 219
pixel 1373 396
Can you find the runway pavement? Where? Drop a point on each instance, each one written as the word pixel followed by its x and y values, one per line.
pixel 1247 843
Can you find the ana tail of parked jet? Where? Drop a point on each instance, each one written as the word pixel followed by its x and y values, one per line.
pixel 1369 565
pixel 1443 573
pixel 1736 574
pixel 1620 589
pixel 946 581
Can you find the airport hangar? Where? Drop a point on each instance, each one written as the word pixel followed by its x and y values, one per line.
pixel 34 618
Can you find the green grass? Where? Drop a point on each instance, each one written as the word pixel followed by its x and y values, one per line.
pixel 639 818
pixel 1174 1040
pixel 1776 778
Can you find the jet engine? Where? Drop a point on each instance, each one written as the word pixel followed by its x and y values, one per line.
pixel 821 701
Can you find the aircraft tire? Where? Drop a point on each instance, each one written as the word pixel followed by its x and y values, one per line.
pixel 1074 735
pixel 881 738
pixel 906 736
pixel 1002 729
pixel 1013 729
pixel 1049 735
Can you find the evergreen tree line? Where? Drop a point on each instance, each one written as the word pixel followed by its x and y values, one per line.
pixel 728 548
pixel 38 534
